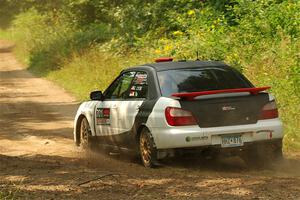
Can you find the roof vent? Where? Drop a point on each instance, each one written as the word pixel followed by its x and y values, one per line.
pixel 164 59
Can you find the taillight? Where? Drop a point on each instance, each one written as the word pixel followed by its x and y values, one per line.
pixel 269 111
pixel 179 117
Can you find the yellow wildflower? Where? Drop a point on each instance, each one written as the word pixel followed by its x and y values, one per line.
pixel 177 33
pixel 157 51
pixel 168 48
pixel 191 12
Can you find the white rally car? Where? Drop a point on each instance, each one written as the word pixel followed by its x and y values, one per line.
pixel 167 107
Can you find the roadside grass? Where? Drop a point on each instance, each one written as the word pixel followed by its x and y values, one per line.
pixel 4 34
pixel 278 66
pixel 44 44
pixel 93 70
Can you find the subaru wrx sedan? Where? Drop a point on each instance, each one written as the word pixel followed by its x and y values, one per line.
pixel 166 107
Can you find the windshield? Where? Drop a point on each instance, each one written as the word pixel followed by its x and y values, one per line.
pixel 200 79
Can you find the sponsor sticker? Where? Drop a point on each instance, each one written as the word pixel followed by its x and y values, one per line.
pixel 196 138
pixel 140 79
pixel 103 116
pixel 132 87
pixel 131 94
pixel 139 88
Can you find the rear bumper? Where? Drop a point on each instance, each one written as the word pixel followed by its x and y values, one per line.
pixel 249 145
pixel 274 143
pixel 194 136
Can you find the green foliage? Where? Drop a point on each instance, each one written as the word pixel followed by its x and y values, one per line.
pixel 48 43
pixel 4 34
pixel 93 40
pixel 263 42
pixel 93 70
pixel 4 17
pixel 62 46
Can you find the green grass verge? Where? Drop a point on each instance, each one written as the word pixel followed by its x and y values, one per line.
pixel 94 70
pixel 3 34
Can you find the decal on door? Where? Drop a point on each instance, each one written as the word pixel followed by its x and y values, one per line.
pixel 103 116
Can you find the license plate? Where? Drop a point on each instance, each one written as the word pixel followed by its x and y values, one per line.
pixel 232 141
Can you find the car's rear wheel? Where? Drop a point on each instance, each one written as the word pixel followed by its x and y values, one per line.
pixel 86 141
pixel 147 149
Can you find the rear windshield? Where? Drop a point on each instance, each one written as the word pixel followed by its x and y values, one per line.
pixel 200 79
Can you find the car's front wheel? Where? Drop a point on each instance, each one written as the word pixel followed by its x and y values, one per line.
pixel 85 135
pixel 147 149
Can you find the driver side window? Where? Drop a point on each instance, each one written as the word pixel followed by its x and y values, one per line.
pixel 120 88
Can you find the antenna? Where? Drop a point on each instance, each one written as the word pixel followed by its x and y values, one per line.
pixel 197 52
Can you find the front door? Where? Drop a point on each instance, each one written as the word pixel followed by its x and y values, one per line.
pixel 115 116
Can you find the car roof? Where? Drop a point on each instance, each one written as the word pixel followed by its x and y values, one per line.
pixel 162 66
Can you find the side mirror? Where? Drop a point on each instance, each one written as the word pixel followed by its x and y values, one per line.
pixel 96 95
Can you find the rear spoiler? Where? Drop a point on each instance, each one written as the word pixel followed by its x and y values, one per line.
pixel 192 95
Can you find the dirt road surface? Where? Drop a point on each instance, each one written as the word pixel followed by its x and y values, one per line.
pixel 38 159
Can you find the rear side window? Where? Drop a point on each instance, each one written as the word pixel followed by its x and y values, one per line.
pixel 139 87
pixel 199 79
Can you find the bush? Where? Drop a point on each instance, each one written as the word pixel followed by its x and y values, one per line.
pixel 46 43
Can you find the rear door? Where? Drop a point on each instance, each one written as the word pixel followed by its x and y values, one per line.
pixel 130 105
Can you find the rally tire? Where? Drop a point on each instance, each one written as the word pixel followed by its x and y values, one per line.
pixel 86 140
pixel 147 149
